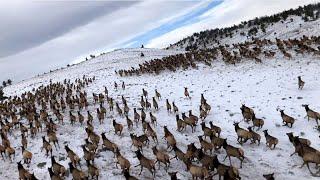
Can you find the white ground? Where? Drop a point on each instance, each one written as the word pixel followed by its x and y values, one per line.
pixel 263 86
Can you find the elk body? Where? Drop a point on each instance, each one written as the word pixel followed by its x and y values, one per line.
pixel 74 158
pixel 57 168
pixel 197 172
pixel 146 163
pixel 171 141
pixel 257 122
pixel 76 173
pixel 270 140
pixel 117 127
pixel 162 157
pixel 247 112
pixel 243 135
pixel 233 152
pixel 312 114
pixel 122 161
pixel 286 119
pixel 300 83
pixel 27 155
pixel 255 136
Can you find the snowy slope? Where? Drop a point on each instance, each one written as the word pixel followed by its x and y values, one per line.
pixel 263 86
pixel 295 28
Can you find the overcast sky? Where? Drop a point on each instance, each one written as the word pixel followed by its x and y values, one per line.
pixel 40 35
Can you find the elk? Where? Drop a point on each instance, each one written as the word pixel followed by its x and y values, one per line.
pixel 76 173
pixel 310 157
pixel 127 175
pixel 206 160
pixel 303 141
pixel 206 131
pixel 46 145
pixel 301 148
pixel 106 143
pixel 203 113
pixel 168 105
pixel 155 104
pixel 2 151
pixel 72 118
pixel 233 152
pixel 190 122
pixel 53 138
pixel 129 123
pixel 205 146
pixel 145 93
pixel 300 83
pixel 224 170
pixel 243 135
pixel 23 173
pixel 171 141
pixel 215 128
pixel 216 141
pixel 179 154
pixel 93 171
pixel 181 125
pixel 136 116
pixel 195 118
pixel 311 113
pixel 95 138
pixel 186 93
pixel 122 161
pixel 196 171
pixel 24 141
pixel 142 102
pixel 27 155
pixel 153 119
pixel 54 176
pixel 255 136
pixel 87 155
pixel 162 157
pixel 269 176
pixel 74 158
pixel 158 95
pixel 247 113
pixel 57 168
pixel 91 146
pixel 175 108
pixel 257 122
pixel 135 142
pixel 145 163
pixel 173 175
pixel 100 116
pixel 270 140
pixel 117 127
pixel 286 119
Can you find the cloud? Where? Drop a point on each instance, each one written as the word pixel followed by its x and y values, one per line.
pixel 96 35
pixel 29 24
pixel 226 14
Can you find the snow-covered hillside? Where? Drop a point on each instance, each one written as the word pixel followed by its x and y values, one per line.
pixel 264 87
pixel 291 28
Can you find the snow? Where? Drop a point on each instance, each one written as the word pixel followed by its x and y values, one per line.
pixel 281 30
pixel 264 87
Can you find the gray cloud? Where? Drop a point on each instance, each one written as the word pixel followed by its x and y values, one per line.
pixel 27 25
pixel 99 34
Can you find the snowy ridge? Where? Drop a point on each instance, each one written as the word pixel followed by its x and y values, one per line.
pixel 293 27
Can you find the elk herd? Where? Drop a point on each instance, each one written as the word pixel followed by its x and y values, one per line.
pixel 44 110
pixel 254 49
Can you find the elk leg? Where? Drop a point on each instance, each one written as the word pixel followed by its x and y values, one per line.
pixel 225 158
